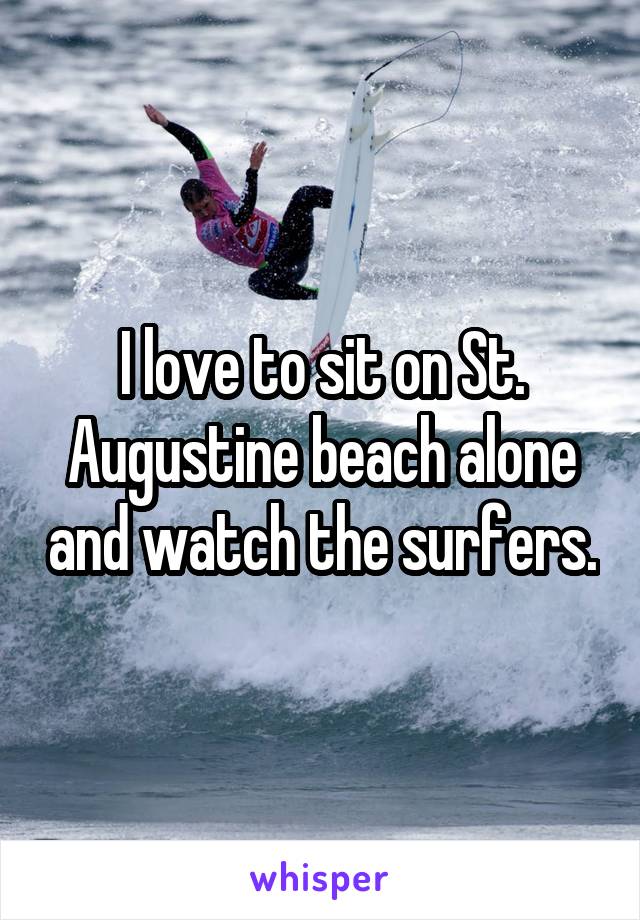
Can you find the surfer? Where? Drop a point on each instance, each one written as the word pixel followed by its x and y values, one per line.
pixel 230 226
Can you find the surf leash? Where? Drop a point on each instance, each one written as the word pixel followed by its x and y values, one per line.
pixel 426 41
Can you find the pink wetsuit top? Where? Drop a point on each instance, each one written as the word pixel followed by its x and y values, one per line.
pixel 247 245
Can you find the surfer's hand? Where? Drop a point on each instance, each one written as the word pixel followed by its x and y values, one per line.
pixel 257 155
pixel 156 116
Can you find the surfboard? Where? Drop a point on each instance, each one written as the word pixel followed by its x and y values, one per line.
pixel 347 219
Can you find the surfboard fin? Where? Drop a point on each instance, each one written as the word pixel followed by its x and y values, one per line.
pixel 358 130
pixel 378 140
pixel 371 101
pixel 368 104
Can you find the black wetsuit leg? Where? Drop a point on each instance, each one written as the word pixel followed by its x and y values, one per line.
pixel 288 261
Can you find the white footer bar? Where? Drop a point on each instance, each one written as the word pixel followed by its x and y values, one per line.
pixel 403 880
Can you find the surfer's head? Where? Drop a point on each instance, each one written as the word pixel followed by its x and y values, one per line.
pixel 197 198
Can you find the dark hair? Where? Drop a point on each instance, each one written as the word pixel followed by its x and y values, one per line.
pixel 193 191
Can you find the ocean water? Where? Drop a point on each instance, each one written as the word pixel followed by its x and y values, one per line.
pixel 390 706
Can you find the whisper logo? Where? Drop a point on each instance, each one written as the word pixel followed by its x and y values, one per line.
pixel 330 881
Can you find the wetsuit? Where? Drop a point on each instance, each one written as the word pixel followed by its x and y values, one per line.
pixel 278 251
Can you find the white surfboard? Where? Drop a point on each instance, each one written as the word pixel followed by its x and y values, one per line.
pixel 347 220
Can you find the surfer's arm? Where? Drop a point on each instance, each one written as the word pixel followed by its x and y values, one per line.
pixel 246 205
pixel 187 138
